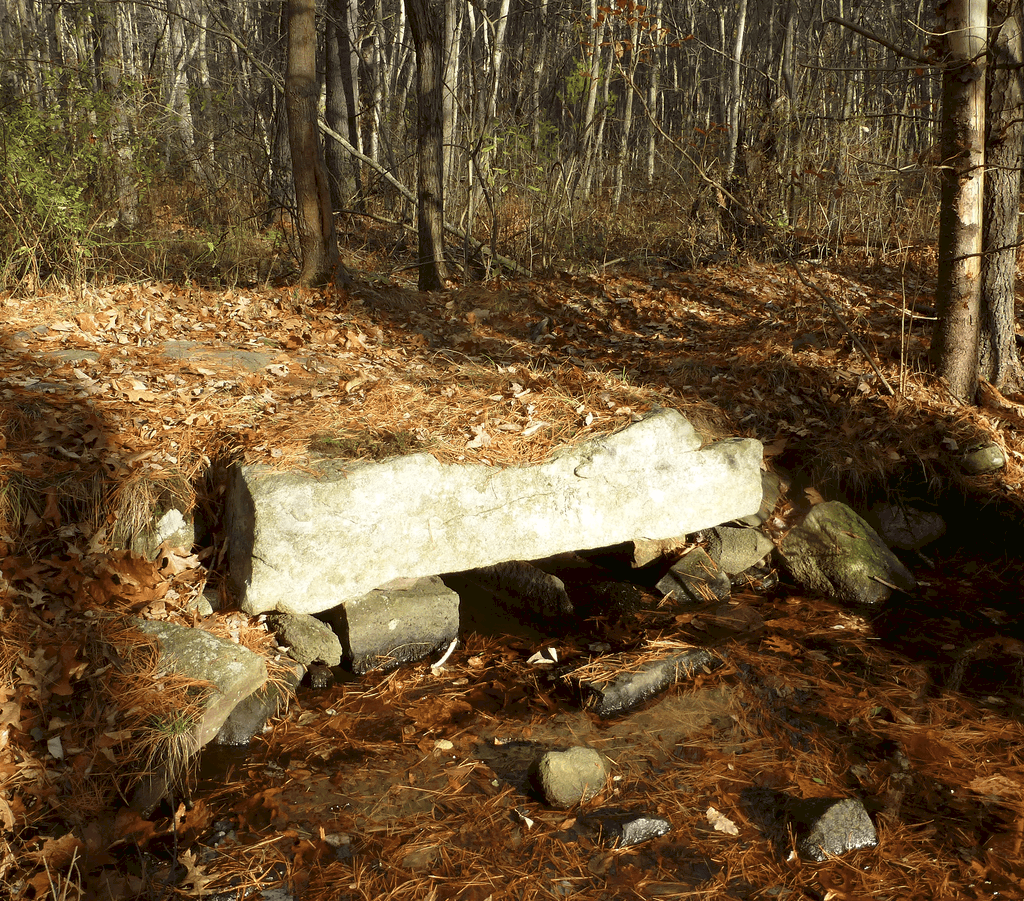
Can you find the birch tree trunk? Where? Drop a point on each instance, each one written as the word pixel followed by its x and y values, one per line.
pixel 955 343
pixel 587 139
pixel 654 88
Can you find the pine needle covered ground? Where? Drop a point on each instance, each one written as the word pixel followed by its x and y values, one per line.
pixel 118 398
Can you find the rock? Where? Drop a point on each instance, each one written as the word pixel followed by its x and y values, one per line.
pixel 390 626
pixel 235 673
pixel 836 553
pixel 630 684
pixel 736 550
pixel 907 528
pixel 695 578
pixel 308 639
pixel 299 542
pixel 771 491
pixel 647 550
pixel 519 588
pixel 567 778
pixel 321 677
pixel 985 459
pixel 172 526
pixel 620 828
pixel 831 826
pixel 251 714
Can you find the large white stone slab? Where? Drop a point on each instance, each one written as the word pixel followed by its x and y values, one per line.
pixel 302 542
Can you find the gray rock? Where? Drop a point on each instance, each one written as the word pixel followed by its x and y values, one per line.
pixel 985 459
pixel 300 542
pixel 827 827
pixel 172 526
pixel 695 578
pixel 631 685
pixel 232 357
pixel 567 778
pixel 394 625
pixel 234 672
pixel 907 528
pixel 771 491
pixel 251 714
pixel 520 588
pixel 308 639
pixel 739 549
pixel 836 553
pixel 621 828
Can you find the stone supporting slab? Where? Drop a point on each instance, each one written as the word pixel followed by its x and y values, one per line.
pixel 306 542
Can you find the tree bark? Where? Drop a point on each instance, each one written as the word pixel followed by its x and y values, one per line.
pixel 427 22
pixel 999 362
pixel 955 342
pixel 342 82
pixel 118 144
pixel 735 93
pixel 318 242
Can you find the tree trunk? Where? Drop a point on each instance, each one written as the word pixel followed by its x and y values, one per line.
pixel 427 22
pixel 318 242
pixel 118 144
pixel 628 60
pixel 654 88
pixel 958 293
pixel 735 93
pixel 999 362
pixel 342 82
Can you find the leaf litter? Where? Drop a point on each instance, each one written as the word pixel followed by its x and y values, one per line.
pixel 120 398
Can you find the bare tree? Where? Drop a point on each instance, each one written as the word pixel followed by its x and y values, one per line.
pixel 318 241
pixel 955 342
pixel 119 138
pixel 998 360
pixel 427 20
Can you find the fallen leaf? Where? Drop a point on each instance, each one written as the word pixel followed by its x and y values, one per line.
pixel 721 823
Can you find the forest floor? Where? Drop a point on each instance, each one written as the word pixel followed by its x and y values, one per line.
pixel 114 397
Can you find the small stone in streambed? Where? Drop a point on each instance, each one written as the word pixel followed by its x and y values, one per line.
pixel 567 778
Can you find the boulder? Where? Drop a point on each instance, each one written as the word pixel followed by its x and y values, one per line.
pixel 736 550
pixel 174 527
pixel 234 673
pixel 518 588
pixel 836 553
pixel 626 682
pixel 308 639
pixel 301 542
pixel 250 716
pixel 771 490
pixel 695 578
pixel 907 528
pixel 396 624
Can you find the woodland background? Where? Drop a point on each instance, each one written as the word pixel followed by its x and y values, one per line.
pixel 150 139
